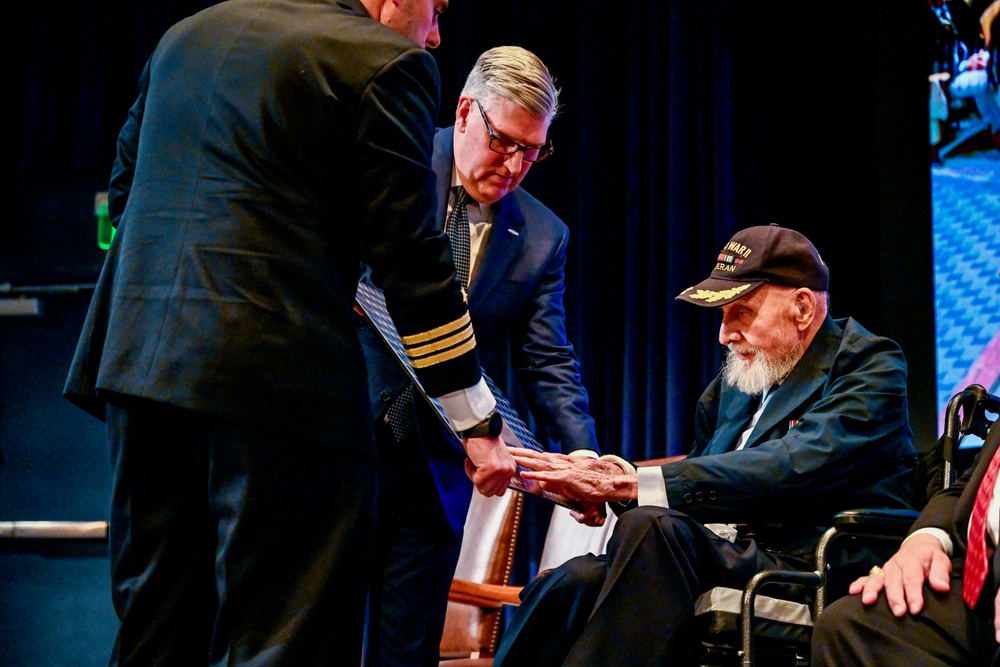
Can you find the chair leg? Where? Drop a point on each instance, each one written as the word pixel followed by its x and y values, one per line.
pixel 963 136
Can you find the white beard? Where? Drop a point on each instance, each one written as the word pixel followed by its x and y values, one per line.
pixel 762 372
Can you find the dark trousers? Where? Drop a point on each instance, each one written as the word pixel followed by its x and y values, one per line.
pixel 234 546
pixel 946 632
pixel 415 557
pixel 636 606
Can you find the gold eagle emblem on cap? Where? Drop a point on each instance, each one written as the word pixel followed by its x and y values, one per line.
pixel 711 296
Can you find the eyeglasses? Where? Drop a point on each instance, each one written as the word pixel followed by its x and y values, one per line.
pixel 505 146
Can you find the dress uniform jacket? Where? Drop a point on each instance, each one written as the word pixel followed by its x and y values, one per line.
pixel 275 145
pixel 243 218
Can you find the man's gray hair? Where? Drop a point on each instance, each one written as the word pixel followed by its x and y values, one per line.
pixel 517 75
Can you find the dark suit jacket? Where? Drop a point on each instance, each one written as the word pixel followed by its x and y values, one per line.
pixel 274 145
pixel 834 436
pixel 948 48
pixel 951 509
pixel 516 303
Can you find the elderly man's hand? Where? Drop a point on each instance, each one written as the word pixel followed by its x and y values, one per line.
pixel 921 559
pixel 590 514
pixel 490 465
pixel 578 478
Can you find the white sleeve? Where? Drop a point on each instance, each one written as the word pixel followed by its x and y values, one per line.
pixel 941 535
pixel 652 486
pixel 467 407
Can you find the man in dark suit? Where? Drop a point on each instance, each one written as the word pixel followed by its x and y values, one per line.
pixel 930 613
pixel 515 278
pixel 807 417
pixel 954 33
pixel 958 47
pixel 273 147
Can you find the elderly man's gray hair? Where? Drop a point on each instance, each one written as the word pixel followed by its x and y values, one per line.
pixel 517 75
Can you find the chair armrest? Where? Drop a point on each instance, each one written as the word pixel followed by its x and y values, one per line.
pixel 883 522
pixel 659 462
pixel 487 596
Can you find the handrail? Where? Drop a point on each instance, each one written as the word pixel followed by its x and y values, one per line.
pixel 8 288
pixel 63 530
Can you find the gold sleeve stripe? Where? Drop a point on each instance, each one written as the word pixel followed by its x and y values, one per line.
pixel 446 355
pixel 443 330
pixel 438 345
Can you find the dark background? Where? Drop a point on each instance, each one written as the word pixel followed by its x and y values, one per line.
pixel 683 121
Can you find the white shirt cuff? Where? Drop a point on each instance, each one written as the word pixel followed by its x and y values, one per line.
pixel 652 486
pixel 467 407
pixel 589 453
pixel 626 467
pixel 941 536
pixel 726 531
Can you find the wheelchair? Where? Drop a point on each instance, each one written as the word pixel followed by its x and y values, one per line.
pixel 747 628
pixel 733 627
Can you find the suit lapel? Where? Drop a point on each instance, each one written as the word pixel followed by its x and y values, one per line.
pixel 441 163
pixel 502 247
pixel 807 376
pixel 735 420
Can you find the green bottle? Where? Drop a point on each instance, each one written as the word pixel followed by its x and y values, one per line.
pixel 105 232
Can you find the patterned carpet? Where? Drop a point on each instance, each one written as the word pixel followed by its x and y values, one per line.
pixel 966 200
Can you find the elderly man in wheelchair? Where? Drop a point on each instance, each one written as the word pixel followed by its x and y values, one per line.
pixel 807 418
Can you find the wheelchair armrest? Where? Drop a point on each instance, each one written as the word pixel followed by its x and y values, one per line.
pixel 880 522
pixel 758 581
pixel 486 596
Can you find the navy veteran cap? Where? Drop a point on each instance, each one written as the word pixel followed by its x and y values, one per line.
pixel 758 255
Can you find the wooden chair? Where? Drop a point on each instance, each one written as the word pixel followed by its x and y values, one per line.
pixel 481 586
pixel 473 622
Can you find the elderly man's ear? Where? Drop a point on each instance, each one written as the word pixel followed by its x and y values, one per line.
pixel 803 307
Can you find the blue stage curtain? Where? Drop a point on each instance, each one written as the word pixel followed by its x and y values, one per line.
pixel 643 174
pixel 683 121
